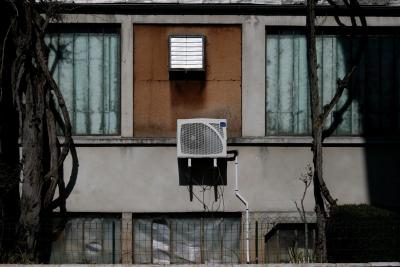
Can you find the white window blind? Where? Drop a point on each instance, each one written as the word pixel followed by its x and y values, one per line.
pixel 186 52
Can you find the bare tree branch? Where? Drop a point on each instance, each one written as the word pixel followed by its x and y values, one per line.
pixel 61 103
pixel 14 7
pixel 60 201
pixel 32 91
pixel 320 114
pixel 340 86
pixel 344 83
pixel 337 19
pixel 65 191
pixel 52 135
pixel 3 56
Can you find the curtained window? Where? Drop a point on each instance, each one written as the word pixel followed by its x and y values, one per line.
pixel 371 108
pixel 88 74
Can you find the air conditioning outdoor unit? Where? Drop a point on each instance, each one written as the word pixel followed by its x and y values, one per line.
pixel 201 138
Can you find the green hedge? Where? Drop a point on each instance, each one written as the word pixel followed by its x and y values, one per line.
pixel 362 233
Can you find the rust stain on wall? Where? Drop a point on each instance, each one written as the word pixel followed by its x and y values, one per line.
pixel 159 102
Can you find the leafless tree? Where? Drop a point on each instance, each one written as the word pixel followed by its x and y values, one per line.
pixel 306 178
pixel 40 106
pixel 319 113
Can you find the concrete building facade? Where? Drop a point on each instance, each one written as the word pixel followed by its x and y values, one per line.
pixel 134 170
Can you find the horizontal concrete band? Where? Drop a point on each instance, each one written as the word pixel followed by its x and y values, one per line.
pixel 276 140
pixel 256 2
pixel 369 264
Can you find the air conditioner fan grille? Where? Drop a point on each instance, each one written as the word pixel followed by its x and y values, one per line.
pixel 200 139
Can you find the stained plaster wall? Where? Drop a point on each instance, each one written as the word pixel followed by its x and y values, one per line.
pixel 159 101
pixel 140 175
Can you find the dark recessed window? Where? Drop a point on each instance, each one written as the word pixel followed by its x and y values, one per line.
pixel 370 106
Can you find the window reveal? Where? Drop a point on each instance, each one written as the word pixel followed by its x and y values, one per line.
pixel 89 78
pixel 374 107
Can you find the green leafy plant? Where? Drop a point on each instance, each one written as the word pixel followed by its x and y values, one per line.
pixel 300 255
pixel 363 233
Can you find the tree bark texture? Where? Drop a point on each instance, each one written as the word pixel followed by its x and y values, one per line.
pixel 317 128
pixel 37 99
pixel 9 148
pixel 32 146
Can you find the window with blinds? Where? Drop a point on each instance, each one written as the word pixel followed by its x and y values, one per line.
pixel 186 57
pixel 186 52
pixel 88 74
pixel 371 106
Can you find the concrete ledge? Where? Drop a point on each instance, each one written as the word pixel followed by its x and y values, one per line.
pixel 369 264
pixel 239 141
pixel 227 2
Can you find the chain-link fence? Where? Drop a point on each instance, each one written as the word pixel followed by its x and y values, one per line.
pixel 169 240
pixel 369 240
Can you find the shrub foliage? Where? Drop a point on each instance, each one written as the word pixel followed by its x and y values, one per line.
pixel 362 233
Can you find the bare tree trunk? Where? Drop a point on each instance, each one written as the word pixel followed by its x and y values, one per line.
pixel 9 149
pixel 317 129
pixel 32 89
pixel 33 148
pixel 320 240
pixel 319 115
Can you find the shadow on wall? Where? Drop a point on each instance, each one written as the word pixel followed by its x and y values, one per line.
pixel 370 108
pixel 384 176
pixel 159 100
pixel 375 96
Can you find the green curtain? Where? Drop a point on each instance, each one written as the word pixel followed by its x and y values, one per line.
pixel 89 77
pixel 373 106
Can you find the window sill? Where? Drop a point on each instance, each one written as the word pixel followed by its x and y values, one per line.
pixel 238 141
pixel 307 140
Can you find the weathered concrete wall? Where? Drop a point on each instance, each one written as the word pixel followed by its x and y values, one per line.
pixel 256 2
pixel 368 264
pixel 140 175
pixel 145 179
pixel 159 102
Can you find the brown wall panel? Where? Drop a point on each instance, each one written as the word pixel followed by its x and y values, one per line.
pixel 159 102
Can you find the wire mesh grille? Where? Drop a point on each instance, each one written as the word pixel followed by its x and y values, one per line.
pixel 218 127
pixel 164 240
pixel 187 241
pixel 192 240
pixel 200 139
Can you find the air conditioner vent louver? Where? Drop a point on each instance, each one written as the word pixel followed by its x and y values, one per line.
pixel 201 138
pixel 186 52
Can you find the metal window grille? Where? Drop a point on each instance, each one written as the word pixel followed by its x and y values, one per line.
pixel 186 53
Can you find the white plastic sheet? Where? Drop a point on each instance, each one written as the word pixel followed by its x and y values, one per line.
pixel 88 240
pixel 183 240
